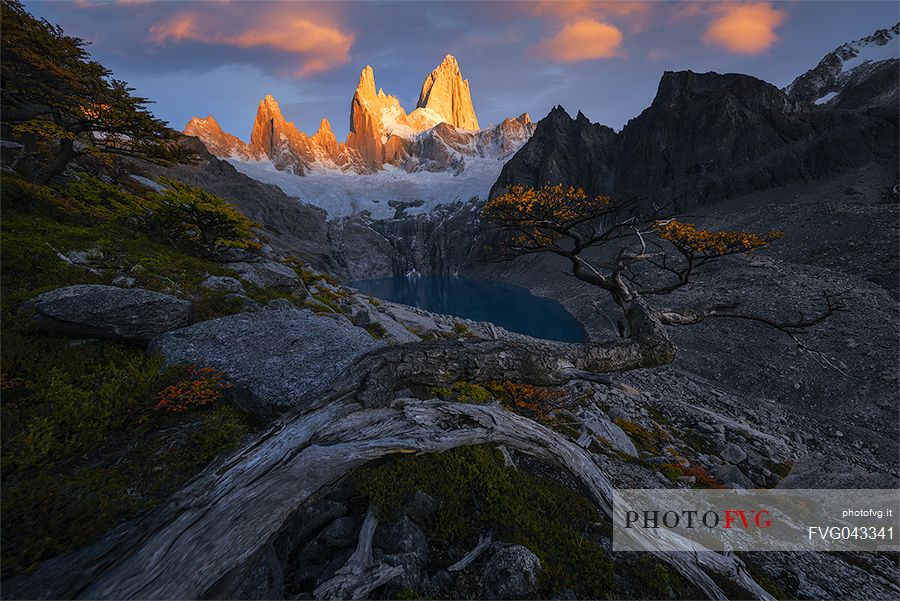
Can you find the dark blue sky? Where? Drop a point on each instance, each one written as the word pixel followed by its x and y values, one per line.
pixel 603 58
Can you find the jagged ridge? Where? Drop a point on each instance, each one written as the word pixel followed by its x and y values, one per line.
pixel 436 136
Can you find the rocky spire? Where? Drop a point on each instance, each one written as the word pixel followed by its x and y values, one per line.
pixel 324 140
pixel 365 121
pixel 446 93
pixel 271 129
pixel 216 140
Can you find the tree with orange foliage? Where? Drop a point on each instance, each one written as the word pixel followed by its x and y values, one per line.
pixel 640 256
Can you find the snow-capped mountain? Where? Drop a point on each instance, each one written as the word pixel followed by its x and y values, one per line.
pixel 440 134
pixel 849 67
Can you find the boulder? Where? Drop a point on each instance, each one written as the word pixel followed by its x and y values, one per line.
pixel 511 572
pixel 85 258
pixel 343 532
pixel 97 311
pixel 278 359
pixel 402 536
pixel 223 283
pixel 410 319
pixel 280 304
pixel 419 504
pixel 732 474
pixel 265 274
pixel 410 565
pixel 610 432
pixel 733 454
pixel 243 302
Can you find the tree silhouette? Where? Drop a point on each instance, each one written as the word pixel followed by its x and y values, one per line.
pixel 60 104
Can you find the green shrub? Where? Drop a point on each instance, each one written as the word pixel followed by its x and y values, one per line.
pixel 462 329
pixel 223 428
pixel 200 222
pixel 83 448
pixel 376 330
pixel 75 396
pixel 461 392
pixel 329 299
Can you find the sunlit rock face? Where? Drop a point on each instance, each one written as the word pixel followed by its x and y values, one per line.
pixel 446 93
pixel 217 141
pixel 437 136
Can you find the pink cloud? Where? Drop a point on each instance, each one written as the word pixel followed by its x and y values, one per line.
pixel 317 42
pixel 634 16
pixel 584 39
pixel 744 28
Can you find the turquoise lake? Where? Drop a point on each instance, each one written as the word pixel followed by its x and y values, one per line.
pixel 510 307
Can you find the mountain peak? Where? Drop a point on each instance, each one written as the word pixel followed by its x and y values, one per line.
pixel 201 123
pixel 447 94
pixel 215 139
pixel 366 86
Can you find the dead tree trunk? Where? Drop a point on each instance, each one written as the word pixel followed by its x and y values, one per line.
pixel 217 523
pixel 375 377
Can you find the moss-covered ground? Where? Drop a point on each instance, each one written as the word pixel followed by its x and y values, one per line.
pixel 83 446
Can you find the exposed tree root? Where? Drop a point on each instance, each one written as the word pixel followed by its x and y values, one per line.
pixel 359 576
pixel 218 522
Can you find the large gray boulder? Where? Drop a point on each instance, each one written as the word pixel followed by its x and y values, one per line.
pixel 511 572
pixel 97 311
pixel 732 474
pixel 278 359
pixel 265 274
pixel 601 427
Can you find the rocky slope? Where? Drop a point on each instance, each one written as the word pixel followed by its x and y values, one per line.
pixel 438 135
pixel 847 68
pixel 840 234
pixel 289 226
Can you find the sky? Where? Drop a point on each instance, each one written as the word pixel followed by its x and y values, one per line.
pixel 221 57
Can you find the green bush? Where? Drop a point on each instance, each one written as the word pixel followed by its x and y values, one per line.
pixel 83 448
pixel 200 222
pixel 74 395
pixel 223 428
pixel 462 392
pixel 376 330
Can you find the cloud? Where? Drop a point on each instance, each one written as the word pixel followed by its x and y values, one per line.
pixel 316 42
pixel 744 28
pixel 585 39
pixel 634 16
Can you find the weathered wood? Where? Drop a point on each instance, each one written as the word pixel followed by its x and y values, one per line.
pixel 484 541
pixel 377 376
pixel 223 517
pixel 359 576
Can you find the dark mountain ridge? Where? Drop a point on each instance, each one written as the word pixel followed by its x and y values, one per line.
pixel 705 137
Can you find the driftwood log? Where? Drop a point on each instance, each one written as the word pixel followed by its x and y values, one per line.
pixel 225 516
